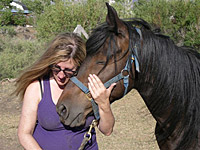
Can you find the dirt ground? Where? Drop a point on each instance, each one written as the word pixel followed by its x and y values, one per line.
pixel 134 127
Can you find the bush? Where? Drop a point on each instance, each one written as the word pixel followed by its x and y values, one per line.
pixel 8 30
pixel 37 6
pixel 65 16
pixel 19 19
pixel 16 54
pixel 178 19
pixel 124 8
pixel 7 17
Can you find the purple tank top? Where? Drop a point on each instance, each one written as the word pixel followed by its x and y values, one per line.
pixel 51 134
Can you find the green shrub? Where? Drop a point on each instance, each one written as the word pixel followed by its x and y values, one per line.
pixel 36 6
pixel 65 16
pixel 17 54
pixel 124 9
pixel 19 19
pixel 180 19
pixel 8 30
pixel 6 17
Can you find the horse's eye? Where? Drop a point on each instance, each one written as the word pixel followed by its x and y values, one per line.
pixel 100 62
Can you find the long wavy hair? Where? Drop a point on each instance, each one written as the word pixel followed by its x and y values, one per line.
pixel 63 47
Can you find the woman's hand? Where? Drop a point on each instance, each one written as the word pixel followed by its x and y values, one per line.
pixel 101 96
pixel 98 91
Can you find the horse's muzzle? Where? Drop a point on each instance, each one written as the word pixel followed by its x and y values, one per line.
pixel 62 112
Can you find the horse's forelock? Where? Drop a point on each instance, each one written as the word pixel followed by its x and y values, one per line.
pixel 97 41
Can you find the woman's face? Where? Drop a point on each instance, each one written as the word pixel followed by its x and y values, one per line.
pixel 62 71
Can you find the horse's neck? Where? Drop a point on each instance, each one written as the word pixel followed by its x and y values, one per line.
pixel 146 91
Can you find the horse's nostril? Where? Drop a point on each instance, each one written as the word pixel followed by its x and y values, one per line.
pixel 62 109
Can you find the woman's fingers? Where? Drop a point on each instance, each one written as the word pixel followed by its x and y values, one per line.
pixel 93 81
pixel 98 81
pixel 111 87
pixel 94 88
pixel 97 88
pixel 91 90
pixel 92 84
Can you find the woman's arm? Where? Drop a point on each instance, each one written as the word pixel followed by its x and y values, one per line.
pixel 29 117
pixel 101 96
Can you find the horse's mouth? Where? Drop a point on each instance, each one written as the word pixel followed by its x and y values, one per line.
pixel 75 122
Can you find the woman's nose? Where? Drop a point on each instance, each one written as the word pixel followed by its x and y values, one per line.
pixel 61 74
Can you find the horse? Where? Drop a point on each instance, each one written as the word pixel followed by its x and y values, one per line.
pixel 166 76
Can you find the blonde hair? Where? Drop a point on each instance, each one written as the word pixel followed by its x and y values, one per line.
pixel 62 48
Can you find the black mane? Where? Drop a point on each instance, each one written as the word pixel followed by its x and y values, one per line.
pixel 103 31
pixel 170 74
pixel 97 39
pixel 174 73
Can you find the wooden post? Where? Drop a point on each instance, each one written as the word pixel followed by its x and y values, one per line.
pixel 79 29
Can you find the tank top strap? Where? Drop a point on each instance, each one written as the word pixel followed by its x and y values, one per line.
pixel 47 90
pixel 41 88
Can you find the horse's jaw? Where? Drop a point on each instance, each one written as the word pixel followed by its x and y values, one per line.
pixel 73 109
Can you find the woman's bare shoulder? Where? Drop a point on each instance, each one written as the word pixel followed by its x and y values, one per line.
pixel 33 91
pixel 34 86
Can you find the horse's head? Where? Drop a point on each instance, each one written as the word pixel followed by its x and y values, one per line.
pixel 107 55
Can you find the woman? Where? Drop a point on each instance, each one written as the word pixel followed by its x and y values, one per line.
pixel 40 127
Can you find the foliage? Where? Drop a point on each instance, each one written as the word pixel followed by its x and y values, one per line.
pixel 178 19
pixel 65 16
pixel 36 6
pixel 7 17
pixel 124 8
pixel 19 19
pixel 8 30
pixel 4 3
pixel 16 54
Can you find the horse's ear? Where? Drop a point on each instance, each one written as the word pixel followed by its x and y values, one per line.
pixel 113 20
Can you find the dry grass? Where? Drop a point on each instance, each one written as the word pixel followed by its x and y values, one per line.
pixel 10 108
pixel 134 127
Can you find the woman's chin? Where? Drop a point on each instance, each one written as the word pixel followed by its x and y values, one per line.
pixel 61 84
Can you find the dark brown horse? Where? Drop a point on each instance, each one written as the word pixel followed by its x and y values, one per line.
pixel 168 79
